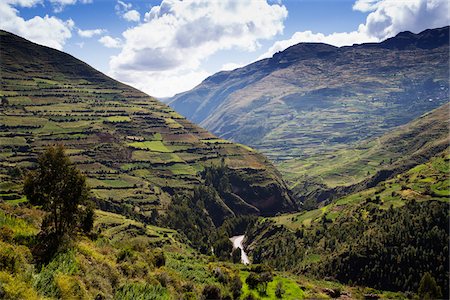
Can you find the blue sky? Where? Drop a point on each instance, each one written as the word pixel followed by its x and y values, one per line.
pixel 165 47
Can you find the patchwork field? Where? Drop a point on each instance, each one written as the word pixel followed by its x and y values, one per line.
pixel 136 151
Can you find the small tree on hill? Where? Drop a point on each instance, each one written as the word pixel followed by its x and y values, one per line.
pixel 428 289
pixel 60 189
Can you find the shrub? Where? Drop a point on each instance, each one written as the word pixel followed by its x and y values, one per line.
pixel 211 292
pixel 428 289
pixel 279 291
pixel 159 259
pixel 236 286
pixel 13 288
pixel 141 291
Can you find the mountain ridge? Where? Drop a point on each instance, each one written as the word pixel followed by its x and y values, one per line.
pixel 272 104
pixel 136 151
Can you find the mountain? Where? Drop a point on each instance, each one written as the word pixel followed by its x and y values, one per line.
pixel 136 152
pixel 336 173
pixel 386 237
pixel 312 97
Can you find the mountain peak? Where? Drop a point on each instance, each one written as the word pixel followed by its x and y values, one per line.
pixel 406 40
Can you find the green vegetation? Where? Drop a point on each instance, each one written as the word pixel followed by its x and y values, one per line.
pixel 156 146
pixel 126 259
pixel 386 237
pixel 332 175
pixel 60 189
pixel 135 152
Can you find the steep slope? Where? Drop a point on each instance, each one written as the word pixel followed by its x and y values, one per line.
pixel 311 97
pixel 337 173
pixel 384 237
pixel 136 152
pixel 129 260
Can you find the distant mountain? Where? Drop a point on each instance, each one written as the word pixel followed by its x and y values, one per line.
pixel 137 152
pixel 314 97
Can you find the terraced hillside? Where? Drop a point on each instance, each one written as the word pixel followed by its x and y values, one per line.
pixel 312 98
pixel 136 151
pixel 337 173
pixel 125 259
pixel 388 236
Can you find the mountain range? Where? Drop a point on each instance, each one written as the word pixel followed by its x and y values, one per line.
pixel 360 209
pixel 312 98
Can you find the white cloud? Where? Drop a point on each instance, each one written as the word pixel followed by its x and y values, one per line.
pixel 48 31
pixel 121 7
pixel 23 3
pixel 132 16
pixel 110 42
pixel 386 19
pixel 177 36
pixel 162 84
pixel 231 66
pixel 90 32
pixel 124 10
pixel 58 5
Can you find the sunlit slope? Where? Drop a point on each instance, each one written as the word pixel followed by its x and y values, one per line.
pixel 336 173
pixel 136 151
pixel 312 98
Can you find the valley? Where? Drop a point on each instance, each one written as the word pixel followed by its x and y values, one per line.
pixel 355 205
pixel 313 98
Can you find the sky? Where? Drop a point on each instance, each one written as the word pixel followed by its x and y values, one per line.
pixel 164 47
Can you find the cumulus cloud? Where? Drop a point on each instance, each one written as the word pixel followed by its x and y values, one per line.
pixel 177 36
pixel 132 16
pixel 386 19
pixel 48 30
pixel 88 33
pixel 110 42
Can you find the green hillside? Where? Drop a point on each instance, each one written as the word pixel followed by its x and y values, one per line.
pixel 312 98
pixel 125 259
pixel 384 237
pixel 336 173
pixel 136 151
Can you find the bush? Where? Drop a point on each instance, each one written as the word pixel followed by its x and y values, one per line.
pixel 236 286
pixel 279 290
pixel 141 291
pixel 211 292
pixel 159 259
pixel 13 258
pixel 428 289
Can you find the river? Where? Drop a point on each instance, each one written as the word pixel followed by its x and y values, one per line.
pixel 237 243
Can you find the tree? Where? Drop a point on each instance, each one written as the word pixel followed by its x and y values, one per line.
pixel 236 286
pixel 60 189
pixel 211 292
pixel 428 289
pixel 279 291
pixel 236 255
